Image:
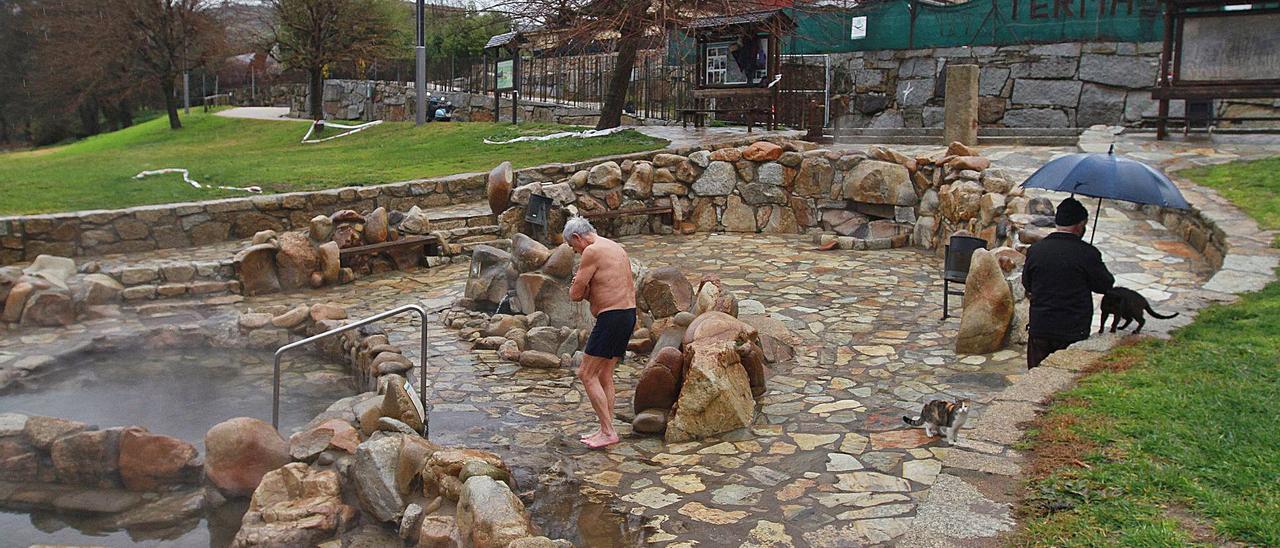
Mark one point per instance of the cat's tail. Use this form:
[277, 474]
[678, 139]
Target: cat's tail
[1155, 314]
[913, 422]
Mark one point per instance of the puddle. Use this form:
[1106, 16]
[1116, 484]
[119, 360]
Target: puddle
[215, 530]
[179, 392]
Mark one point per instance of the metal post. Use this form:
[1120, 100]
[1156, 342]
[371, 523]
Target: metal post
[420, 80]
[422, 367]
[186, 92]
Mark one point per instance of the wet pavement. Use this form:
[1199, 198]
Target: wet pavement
[828, 461]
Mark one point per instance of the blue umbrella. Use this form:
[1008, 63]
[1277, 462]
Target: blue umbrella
[1107, 176]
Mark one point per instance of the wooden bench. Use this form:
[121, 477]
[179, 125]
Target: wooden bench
[697, 115]
[662, 210]
[431, 245]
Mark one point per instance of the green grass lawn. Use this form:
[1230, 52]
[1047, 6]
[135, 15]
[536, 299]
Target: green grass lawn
[1180, 439]
[97, 173]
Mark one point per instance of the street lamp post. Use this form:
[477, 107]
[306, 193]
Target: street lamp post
[420, 81]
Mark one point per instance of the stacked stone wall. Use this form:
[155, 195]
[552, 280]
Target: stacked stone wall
[1034, 86]
[395, 101]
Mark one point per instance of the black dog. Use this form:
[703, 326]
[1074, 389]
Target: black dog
[1126, 304]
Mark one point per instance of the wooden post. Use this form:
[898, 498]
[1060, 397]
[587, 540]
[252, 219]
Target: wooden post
[1162, 80]
[515, 82]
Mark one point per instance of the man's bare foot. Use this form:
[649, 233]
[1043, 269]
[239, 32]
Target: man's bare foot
[601, 440]
[593, 434]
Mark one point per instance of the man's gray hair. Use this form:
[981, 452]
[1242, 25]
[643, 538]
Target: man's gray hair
[577, 225]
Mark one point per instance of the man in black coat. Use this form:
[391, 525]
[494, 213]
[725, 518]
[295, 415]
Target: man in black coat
[1061, 272]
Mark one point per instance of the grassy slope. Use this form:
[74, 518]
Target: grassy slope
[1182, 438]
[98, 172]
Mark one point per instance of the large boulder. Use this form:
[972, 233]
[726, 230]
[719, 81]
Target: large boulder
[529, 254]
[398, 403]
[715, 397]
[656, 389]
[256, 268]
[718, 179]
[50, 308]
[151, 461]
[537, 292]
[330, 262]
[490, 515]
[239, 451]
[374, 474]
[88, 459]
[877, 182]
[714, 296]
[640, 184]
[295, 506]
[492, 275]
[959, 201]
[762, 151]
[560, 263]
[416, 221]
[445, 466]
[988, 306]
[377, 226]
[666, 291]
[499, 187]
[296, 260]
[815, 177]
[716, 326]
[51, 268]
[607, 175]
[98, 288]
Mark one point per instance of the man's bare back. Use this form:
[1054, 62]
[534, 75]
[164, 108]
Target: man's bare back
[604, 277]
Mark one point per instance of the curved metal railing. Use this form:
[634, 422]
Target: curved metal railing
[422, 365]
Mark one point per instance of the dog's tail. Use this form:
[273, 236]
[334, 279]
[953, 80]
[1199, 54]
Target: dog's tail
[1155, 314]
[913, 422]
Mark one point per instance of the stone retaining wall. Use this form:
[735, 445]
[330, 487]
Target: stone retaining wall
[1037, 86]
[396, 101]
[190, 224]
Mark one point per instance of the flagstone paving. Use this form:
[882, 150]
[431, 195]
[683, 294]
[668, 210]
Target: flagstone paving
[828, 461]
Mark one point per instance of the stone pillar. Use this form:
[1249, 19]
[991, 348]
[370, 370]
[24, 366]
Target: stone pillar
[961, 121]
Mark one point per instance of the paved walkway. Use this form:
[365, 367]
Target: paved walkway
[260, 113]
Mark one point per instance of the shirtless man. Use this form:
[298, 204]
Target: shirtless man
[604, 279]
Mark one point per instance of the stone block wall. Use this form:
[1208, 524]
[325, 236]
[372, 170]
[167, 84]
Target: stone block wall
[1048, 85]
[166, 226]
[395, 101]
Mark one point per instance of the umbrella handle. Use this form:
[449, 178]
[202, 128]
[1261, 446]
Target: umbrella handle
[1096, 213]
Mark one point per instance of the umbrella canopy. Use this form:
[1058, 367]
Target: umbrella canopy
[1107, 176]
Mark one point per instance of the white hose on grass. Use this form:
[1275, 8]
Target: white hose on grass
[561, 135]
[186, 176]
[307, 140]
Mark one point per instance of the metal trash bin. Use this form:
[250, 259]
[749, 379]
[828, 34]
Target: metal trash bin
[536, 214]
[959, 252]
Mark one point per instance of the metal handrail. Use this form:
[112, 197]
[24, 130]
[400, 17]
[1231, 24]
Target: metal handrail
[422, 367]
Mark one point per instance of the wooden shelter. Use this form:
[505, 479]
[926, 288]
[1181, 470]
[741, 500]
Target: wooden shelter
[504, 50]
[739, 64]
[1215, 49]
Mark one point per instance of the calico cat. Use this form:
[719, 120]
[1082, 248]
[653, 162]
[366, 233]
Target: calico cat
[946, 416]
[1126, 304]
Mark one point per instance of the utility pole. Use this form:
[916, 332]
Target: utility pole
[420, 80]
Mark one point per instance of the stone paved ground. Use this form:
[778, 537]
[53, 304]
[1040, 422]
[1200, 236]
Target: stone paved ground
[827, 462]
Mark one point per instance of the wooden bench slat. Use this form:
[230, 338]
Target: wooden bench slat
[669, 210]
[402, 242]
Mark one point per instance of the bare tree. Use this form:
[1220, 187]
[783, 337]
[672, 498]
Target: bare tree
[167, 37]
[314, 34]
[627, 23]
